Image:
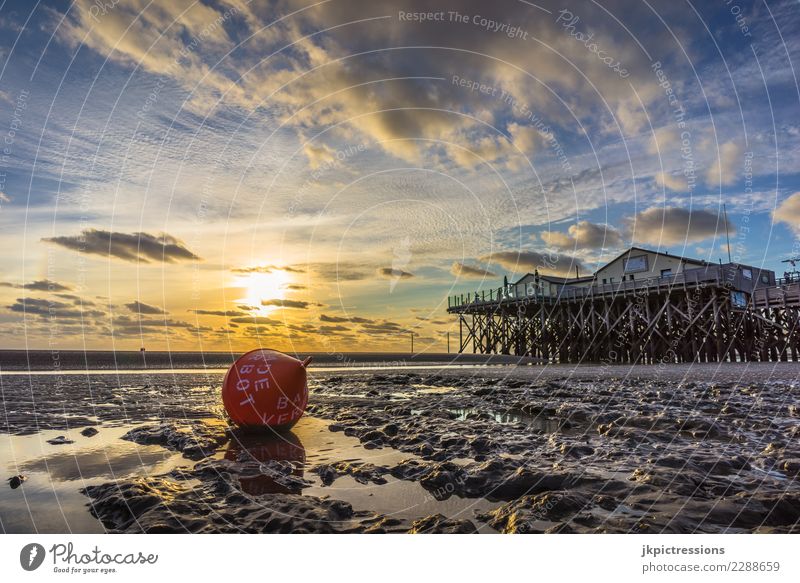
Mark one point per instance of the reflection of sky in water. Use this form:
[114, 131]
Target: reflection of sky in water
[50, 499]
[513, 416]
[396, 498]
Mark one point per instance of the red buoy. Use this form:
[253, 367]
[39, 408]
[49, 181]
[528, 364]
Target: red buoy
[266, 388]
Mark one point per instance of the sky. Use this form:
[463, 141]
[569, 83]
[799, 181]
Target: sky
[225, 174]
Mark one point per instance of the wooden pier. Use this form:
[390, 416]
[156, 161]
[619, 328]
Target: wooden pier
[709, 314]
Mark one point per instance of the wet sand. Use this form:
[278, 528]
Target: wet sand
[79, 360]
[524, 449]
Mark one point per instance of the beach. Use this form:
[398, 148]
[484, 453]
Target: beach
[431, 448]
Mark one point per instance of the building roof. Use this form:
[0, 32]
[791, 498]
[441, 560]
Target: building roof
[628, 251]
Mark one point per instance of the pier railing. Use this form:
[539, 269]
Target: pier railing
[785, 294]
[720, 276]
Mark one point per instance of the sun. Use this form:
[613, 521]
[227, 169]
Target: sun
[264, 286]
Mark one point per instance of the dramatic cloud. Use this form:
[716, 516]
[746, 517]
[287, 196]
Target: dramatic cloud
[433, 321]
[257, 320]
[673, 226]
[334, 329]
[340, 319]
[296, 304]
[76, 299]
[382, 327]
[150, 37]
[340, 128]
[138, 326]
[222, 313]
[409, 116]
[788, 212]
[135, 247]
[390, 273]
[138, 307]
[341, 271]
[584, 235]
[470, 272]
[52, 309]
[38, 285]
[267, 269]
[528, 261]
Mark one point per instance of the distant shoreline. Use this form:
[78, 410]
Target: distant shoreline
[67, 360]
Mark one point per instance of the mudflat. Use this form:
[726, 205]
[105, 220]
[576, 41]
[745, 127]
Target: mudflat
[513, 449]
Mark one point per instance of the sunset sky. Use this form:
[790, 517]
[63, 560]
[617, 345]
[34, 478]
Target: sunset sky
[220, 175]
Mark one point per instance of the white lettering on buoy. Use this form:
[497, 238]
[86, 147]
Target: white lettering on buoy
[261, 384]
[243, 385]
[282, 403]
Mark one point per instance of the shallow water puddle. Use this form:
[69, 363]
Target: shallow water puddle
[513, 417]
[310, 443]
[49, 499]
[433, 390]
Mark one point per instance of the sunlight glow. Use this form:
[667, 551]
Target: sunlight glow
[264, 286]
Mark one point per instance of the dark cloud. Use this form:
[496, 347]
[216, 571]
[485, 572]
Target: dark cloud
[432, 321]
[391, 273]
[333, 329]
[385, 327]
[223, 313]
[253, 331]
[302, 328]
[125, 325]
[296, 304]
[468, 271]
[52, 309]
[529, 261]
[584, 235]
[125, 320]
[134, 247]
[341, 271]
[339, 319]
[76, 299]
[223, 332]
[257, 320]
[268, 269]
[294, 287]
[675, 226]
[46, 285]
[138, 307]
